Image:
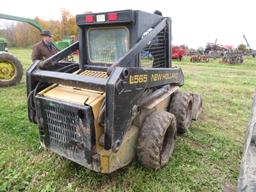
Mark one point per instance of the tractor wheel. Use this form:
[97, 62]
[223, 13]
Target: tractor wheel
[197, 106]
[10, 69]
[205, 59]
[192, 59]
[181, 106]
[232, 61]
[156, 140]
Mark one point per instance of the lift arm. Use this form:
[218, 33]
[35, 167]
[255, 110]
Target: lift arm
[22, 19]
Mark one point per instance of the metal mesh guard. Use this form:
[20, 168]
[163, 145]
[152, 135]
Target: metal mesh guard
[65, 128]
[61, 125]
[154, 55]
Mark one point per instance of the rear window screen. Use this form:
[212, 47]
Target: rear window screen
[107, 45]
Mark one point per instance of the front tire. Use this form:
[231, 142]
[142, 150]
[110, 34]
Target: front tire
[156, 140]
[197, 106]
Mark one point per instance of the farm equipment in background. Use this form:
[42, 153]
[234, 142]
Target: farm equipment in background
[32, 22]
[214, 50]
[114, 104]
[65, 42]
[191, 51]
[251, 51]
[3, 44]
[227, 53]
[10, 67]
[199, 58]
[233, 56]
[178, 52]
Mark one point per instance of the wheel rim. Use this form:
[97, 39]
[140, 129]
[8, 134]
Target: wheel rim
[7, 71]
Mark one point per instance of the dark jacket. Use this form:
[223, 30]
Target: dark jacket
[42, 51]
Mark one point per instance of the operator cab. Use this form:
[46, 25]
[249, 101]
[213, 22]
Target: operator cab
[109, 36]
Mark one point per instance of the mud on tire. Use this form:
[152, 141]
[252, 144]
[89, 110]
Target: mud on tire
[156, 140]
[16, 75]
[197, 106]
[181, 106]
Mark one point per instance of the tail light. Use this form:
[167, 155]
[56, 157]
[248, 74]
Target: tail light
[89, 18]
[112, 17]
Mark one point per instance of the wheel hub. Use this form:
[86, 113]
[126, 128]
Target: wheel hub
[7, 71]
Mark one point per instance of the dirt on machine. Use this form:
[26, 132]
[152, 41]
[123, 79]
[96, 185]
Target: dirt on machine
[114, 105]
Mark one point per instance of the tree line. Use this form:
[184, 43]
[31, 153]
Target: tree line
[25, 35]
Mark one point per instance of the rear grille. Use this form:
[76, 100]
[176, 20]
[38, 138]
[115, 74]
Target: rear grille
[61, 127]
[66, 128]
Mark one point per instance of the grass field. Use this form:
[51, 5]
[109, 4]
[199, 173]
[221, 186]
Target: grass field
[207, 158]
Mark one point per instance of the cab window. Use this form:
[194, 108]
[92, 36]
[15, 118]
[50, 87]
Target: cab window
[107, 45]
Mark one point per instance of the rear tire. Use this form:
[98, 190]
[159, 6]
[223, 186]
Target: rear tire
[11, 69]
[181, 106]
[156, 140]
[197, 106]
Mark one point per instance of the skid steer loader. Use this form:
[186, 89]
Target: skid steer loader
[114, 105]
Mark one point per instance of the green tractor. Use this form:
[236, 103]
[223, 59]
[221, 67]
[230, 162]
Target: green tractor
[64, 43]
[10, 67]
[3, 44]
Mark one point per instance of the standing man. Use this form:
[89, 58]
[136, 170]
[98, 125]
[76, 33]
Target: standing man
[44, 49]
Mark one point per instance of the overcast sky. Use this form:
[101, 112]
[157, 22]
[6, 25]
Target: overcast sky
[194, 22]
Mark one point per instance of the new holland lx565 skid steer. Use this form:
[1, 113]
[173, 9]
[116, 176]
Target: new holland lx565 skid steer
[116, 104]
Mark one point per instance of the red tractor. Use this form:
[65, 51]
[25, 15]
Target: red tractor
[178, 52]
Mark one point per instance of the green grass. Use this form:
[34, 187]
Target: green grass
[207, 158]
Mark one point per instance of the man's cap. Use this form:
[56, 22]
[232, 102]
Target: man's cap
[46, 33]
[158, 12]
